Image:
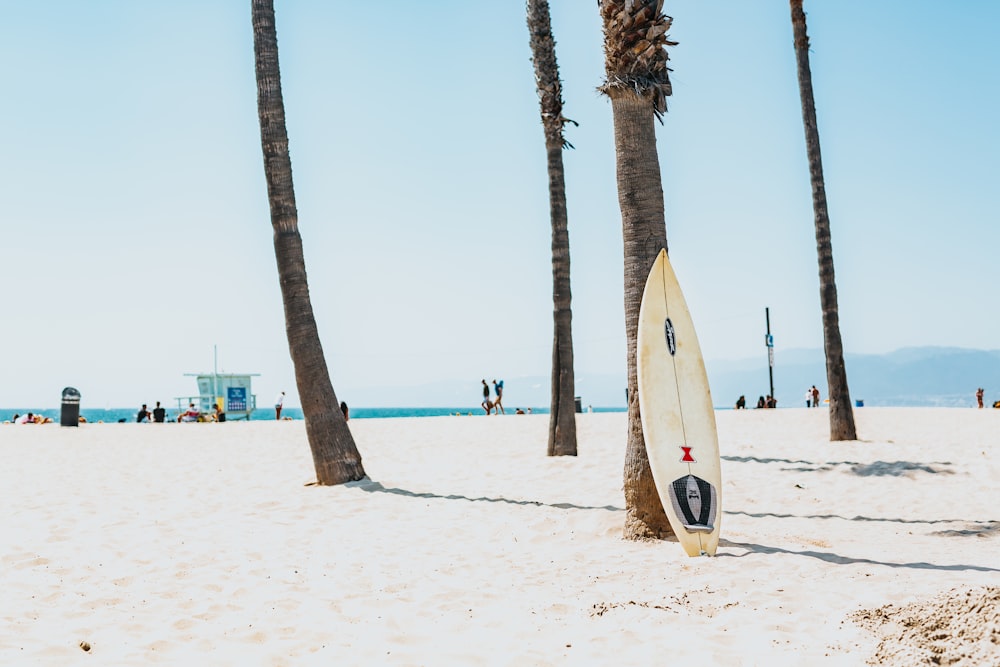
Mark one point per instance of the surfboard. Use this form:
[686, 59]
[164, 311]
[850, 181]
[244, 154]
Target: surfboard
[678, 420]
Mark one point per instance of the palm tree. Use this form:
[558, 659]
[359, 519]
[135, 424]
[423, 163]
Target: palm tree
[638, 83]
[335, 455]
[841, 412]
[562, 415]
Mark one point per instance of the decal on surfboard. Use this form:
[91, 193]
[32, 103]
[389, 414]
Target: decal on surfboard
[687, 458]
[668, 330]
[694, 501]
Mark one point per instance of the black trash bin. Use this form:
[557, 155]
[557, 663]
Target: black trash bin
[70, 415]
[579, 403]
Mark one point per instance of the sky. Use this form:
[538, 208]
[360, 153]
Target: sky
[137, 238]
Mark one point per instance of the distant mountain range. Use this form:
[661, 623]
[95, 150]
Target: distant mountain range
[924, 376]
[918, 376]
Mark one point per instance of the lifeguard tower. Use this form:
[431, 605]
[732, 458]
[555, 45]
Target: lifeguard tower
[231, 391]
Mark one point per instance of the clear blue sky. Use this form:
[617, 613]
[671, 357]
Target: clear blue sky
[137, 234]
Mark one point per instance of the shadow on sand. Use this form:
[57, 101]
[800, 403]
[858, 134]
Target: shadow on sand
[375, 487]
[980, 526]
[876, 469]
[837, 559]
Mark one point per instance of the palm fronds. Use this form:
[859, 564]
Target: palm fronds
[635, 50]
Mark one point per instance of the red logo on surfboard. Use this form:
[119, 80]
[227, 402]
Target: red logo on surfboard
[687, 458]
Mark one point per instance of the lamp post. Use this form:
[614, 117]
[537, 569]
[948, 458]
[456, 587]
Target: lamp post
[769, 341]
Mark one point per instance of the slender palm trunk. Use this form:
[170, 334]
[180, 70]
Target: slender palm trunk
[562, 413]
[637, 82]
[841, 413]
[335, 455]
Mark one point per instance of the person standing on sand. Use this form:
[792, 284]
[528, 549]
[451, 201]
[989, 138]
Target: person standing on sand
[279, 401]
[815, 392]
[979, 396]
[498, 389]
[487, 403]
[809, 398]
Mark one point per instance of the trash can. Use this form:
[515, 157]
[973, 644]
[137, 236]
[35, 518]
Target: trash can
[859, 403]
[579, 403]
[70, 415]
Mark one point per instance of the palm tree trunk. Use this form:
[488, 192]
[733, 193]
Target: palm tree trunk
[640, 197]
[335, 455]
[562, 413]
[638, 83]
[841, 413]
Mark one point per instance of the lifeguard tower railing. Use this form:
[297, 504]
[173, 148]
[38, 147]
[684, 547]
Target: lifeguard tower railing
[230, 391]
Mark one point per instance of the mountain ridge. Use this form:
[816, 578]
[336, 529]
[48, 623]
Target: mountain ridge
[911, 376]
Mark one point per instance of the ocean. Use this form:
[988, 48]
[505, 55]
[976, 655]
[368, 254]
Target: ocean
[125, 415]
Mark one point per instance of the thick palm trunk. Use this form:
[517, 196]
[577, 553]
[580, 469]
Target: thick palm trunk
[562, 413]
[640, 197]
[841, 413]
[335, 455]
[638, 83]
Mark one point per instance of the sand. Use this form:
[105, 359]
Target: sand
[128, 544]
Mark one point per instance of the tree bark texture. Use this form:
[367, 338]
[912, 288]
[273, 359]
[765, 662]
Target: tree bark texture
[637, 80]
[640, 197]
[335, 455]
[562, 412]
[841, 412]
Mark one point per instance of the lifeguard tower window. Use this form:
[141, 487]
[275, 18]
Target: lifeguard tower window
[230, 391]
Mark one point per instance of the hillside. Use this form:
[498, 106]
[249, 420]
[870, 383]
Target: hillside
[925, 376]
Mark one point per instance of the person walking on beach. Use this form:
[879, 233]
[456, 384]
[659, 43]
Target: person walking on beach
[279, 401]
[809, 398]
[498, 390]
[487, 403]
[159, 414]
[143, 415]
[815, 393]
[979, 396]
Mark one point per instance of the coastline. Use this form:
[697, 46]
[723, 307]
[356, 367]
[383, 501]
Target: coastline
[127, 415]
[467, 545]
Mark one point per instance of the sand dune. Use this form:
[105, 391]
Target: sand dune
[468, 546]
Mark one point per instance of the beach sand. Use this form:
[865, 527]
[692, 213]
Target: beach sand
[126, 544]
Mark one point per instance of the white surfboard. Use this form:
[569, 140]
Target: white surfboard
[678, 420]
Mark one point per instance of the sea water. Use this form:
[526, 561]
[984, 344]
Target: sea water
[126, 415]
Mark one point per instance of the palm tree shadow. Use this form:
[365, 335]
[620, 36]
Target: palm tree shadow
[987, 527]
[972, 528]
[837, 559]
[875, 469]
[370, 486]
